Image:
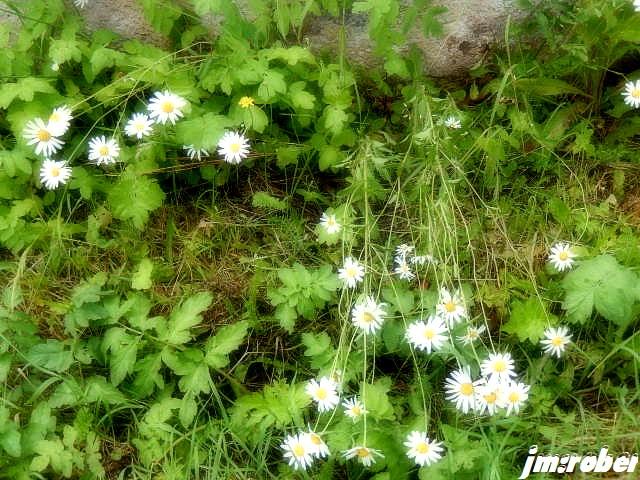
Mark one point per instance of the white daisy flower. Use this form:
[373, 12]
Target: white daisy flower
[403, 250]
[39, 134]
[403, 271]
[318, 447]
[324, 393]
[452, 122]
[363, 454]
[351, 272]
[424, 259]
[632, 94]
[80, 3]
[298, 451]
[55, 66]
[498, 367]
[234, 147]
[429, 335]
[139, 125]
[195, 152]
[53, 174]
[354, 408]
[472, 334]
[166, 107]
[636, 4]
[103, 151]
[368, 315]
[59, 121]
[330, 224]
[461, 389]
[556, 340]
[490, 396]
[561, 256]
[422, 450]
[515, 395]
[451, 307]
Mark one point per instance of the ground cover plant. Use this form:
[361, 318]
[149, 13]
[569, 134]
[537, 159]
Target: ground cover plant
[231, 257]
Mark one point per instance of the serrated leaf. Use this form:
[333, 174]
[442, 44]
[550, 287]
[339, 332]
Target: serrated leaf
[188, 409]
[272, 84]
[23, 89]
[226, 340]
[335, 119]
[184, 317]
[264, 200]
[204, 131]
[51, 355]
[374, 396]
[528, 320]
[134, 197]
[141, 279]
[301, 98]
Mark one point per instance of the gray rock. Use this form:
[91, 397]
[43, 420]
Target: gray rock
[471, 29]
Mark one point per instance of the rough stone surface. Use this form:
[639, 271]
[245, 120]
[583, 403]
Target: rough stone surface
[471, 28]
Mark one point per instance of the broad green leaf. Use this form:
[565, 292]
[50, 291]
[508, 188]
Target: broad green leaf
[197, 380]
[547, 86]
[335, 119]
[98, 390]
[204, 131]
[51, 355]
[23, 89]
[162, 14]
[133, 197]
[528, 320]
[10, 440]
[272, 84]
[319, 348]
[600, 283]
[188, 409]
[301, 98]
[184, 317]
[202, 7]
[141, 279]
[225, 341]
[124, 350]
[374, 396]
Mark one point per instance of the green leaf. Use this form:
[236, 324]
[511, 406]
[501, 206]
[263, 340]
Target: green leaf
[98, 390]
[161, 14]
[188, 409]
[62, 50]
[528, 320]
[547, 86]
[197, 380]
[319, 348]
[286, 317]
[104, 57]
[600, 283]
[204, 131]
[272, 84]
[330, 156]
[374, 396]
[134, 197]
[301, 98]
[202, 7]
[23, 89]
[264, 200]
[228, 339]
[141, 279]
[184, 317]
[51, 355]
[124, 350]
[335, 119]
[10, 440]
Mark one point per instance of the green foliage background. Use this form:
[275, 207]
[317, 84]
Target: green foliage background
[159, 320]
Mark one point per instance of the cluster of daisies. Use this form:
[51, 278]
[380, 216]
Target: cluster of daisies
[497, 389]
[163, 108]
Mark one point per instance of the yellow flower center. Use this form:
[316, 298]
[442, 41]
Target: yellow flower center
[234, 147]
[422, 448]
[563, 256]
[43, 135]
[331, 221]
[103, 151]
[514, 397]
[55, 172]
[321, 393]
[356, 410]
[298, 450]
[635, 93]
[351, 272]
[557, 341]
[473, 334]
[367, 317]
[140, 125]
[500, 366]
[167, 106]
[315, 439]
[246, 102]
[491, 397]
[450, 306]
[466, 389]
[362, 452]
[429, 333]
